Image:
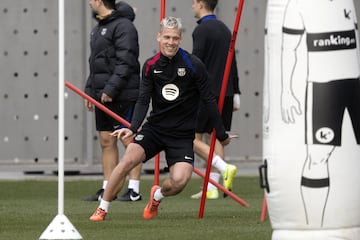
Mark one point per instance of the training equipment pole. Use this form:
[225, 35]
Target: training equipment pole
[162, 9]
[61, 227]
[61, 117]
[157, 157]
[221, 103]
[230, 194]
[117, 118]
[97, 104]
[263, 210]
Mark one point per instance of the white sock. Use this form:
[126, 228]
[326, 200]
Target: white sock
[104, 205]
[216, 177]
[134, 185]
[219, 163]
[158, 195]
[105, 182]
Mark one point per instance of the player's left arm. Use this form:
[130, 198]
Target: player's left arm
[209, 100]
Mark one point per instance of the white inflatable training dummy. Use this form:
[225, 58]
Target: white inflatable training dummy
[311, 120]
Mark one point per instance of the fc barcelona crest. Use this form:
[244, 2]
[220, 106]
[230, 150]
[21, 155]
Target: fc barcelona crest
[181, 72]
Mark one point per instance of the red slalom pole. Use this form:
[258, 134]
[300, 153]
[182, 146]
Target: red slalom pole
[97, 104]
[157, 157]
[221, 103]
[230, 194]
[263, 210]
[116, 117]
[162, 9]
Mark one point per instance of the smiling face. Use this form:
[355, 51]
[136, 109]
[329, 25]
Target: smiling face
[169, 37]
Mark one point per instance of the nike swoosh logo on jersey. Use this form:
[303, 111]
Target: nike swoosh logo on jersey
[157, 71]
[189, 158]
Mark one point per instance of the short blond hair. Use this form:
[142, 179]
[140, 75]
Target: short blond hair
[171, 23]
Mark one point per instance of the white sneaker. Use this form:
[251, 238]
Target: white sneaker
[197, 195]
[212, 194]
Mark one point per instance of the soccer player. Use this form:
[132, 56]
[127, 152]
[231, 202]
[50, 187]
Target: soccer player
[174, 81]
[211, 42]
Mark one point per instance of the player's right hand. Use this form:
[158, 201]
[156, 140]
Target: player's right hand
[122, 133]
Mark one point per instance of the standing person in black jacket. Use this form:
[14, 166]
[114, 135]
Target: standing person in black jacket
[174, 81]
[114, 81]
[211, 42]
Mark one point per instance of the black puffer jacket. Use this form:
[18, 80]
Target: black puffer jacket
[114, 64]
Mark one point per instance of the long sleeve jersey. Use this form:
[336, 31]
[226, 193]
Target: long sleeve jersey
[175, 87]
[211, 42]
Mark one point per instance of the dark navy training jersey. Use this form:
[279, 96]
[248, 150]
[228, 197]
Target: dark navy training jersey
[175, 87]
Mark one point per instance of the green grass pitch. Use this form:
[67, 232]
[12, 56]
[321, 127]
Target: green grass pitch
[29, 206]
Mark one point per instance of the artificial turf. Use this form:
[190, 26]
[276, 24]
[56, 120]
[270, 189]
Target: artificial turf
[29, 206]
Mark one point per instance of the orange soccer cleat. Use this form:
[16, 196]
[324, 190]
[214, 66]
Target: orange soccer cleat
[151, 209]
[98, 215]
